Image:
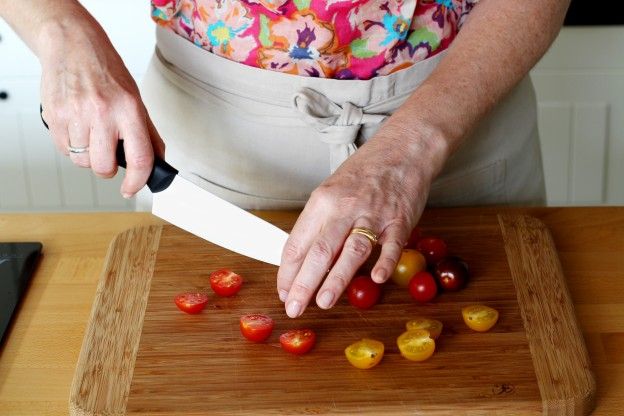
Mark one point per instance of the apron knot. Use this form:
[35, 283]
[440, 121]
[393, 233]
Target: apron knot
[338, 125]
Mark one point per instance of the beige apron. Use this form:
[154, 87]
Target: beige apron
[266, 140]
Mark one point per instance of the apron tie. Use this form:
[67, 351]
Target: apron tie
[338, 125]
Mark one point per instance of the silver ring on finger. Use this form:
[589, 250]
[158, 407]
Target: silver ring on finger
[77, 150]
[366, 232]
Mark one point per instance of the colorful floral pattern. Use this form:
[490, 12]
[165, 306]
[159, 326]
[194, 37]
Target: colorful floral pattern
[344, 39]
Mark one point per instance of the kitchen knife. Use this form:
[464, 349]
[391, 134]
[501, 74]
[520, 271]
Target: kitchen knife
[186, 205]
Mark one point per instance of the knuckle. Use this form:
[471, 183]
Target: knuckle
[321, 250]
[358, 246]
[104, 171]
[340, 278]
[101, 105]
[131, 103]
[80, 161]
[322, 197]
[141, 162]
[301, 287]
[293, 252]
[393, 248]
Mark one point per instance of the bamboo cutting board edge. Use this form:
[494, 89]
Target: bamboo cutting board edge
[555, 339]
[566, 384]
[105, 365]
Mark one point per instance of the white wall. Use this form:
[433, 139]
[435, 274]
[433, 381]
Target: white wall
[579, 84]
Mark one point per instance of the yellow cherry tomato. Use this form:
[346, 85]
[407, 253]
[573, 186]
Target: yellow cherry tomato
[365, 353]
[433, 326]
[480, 318]
[410, 263]
[416, 345]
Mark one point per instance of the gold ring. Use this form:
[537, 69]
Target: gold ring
[368, 233]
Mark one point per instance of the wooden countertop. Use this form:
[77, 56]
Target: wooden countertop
[38, 359]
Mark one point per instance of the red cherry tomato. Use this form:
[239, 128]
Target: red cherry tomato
[225, 282]
[413, 238]
[298, 341]
[256, 327]
[363, 292]
[423, 287]
[191, 302]
[434, 249]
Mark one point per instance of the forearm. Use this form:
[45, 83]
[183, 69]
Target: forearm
[499, 43]
[42, 22]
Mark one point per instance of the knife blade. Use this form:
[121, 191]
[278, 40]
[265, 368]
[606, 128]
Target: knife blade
[194, 209]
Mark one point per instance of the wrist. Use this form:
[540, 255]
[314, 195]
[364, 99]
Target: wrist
[417, 142]
[70, 26]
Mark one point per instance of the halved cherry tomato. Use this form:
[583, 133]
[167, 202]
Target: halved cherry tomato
[433, 326]
[225, 282]
[191, 302]
[256, 327]
[298, 341]
[365, 353]
[410, 263]
[480, 318]
[434, 249]
[416, 345]
[363, 292]
[423, 287]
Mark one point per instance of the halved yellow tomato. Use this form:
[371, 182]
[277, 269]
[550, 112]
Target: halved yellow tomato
[416, 345]
[480, 318]
[365, 353]
[410, 263]
[432, 325]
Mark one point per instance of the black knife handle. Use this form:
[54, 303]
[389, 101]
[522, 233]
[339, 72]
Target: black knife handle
[162, 173]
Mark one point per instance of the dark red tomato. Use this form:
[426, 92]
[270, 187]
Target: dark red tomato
[225, 282]
[434, 249]
[423, 287]
[363, 293]
[413, 238]
[451, 273]
[298, 341]
[256, 327]
[191, 302]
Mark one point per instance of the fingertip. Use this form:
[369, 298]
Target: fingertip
[294, 309]
[379, 275]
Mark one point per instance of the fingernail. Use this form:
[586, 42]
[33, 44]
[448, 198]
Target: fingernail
[283, 295]
[380, 276]
[325, 299]
[126, 195]
[293, 309]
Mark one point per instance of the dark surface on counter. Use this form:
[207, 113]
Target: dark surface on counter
[588, 13]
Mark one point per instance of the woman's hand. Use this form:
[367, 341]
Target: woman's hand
[90, 100]
[382, 187]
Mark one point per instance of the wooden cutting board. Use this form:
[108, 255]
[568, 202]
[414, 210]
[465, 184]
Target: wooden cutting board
[141, 355]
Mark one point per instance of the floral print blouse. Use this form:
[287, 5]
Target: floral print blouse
[343, 39]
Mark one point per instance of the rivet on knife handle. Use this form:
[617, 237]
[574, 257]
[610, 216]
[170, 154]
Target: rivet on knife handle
[162, 174]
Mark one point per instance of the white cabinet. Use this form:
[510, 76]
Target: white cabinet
[580, 90]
